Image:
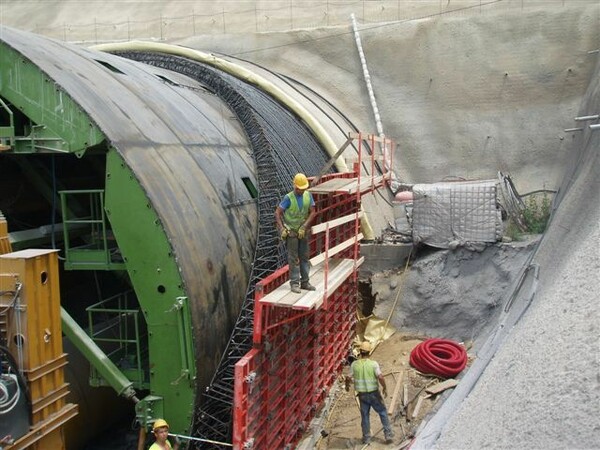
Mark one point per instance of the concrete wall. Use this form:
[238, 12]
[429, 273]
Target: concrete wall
[462, 96]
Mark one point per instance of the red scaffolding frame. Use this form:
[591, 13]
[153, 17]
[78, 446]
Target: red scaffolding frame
[301, 340]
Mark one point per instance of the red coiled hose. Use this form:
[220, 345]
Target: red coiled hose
[439, 357]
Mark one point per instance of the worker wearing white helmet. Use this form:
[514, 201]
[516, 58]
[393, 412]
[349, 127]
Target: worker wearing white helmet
[161, 433]
[294, 215]
[365, 374]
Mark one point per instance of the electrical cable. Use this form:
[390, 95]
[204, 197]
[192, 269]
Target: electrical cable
[440, 357]
[21, 381]
[8, 403]
[15, 294]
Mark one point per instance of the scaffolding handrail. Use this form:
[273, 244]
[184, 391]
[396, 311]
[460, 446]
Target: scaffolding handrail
[330, 305]
[276, 354]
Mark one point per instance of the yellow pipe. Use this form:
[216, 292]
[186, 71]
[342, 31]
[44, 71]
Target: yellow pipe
[250, 77]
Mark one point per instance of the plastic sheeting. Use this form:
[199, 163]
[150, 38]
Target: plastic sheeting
[373, 329]
[446, 215]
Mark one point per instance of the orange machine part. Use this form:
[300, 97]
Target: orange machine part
[5, 246]
[34, 338]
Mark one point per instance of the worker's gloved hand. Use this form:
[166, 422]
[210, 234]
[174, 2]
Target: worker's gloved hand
[347, 382]
[301, 232]
[384, 392]
[285, 231]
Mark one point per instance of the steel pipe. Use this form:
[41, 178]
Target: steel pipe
[581, 118]
[109, 371]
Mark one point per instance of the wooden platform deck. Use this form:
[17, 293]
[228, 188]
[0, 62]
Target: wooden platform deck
[349, 185]
[339, 271]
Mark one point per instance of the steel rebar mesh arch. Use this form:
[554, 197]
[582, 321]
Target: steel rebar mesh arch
[275, 135]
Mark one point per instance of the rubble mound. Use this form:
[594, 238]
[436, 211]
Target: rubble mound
[450, 294]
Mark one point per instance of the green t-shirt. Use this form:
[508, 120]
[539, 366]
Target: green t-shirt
[365, 372]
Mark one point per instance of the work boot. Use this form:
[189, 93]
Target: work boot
[366, 440]
[296, 289]
[389, 439]
[307, 286]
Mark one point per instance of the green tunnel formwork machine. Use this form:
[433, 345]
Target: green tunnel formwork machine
[156, 181]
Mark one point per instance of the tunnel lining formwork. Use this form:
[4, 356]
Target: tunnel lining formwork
[276, 162]
[151, 121]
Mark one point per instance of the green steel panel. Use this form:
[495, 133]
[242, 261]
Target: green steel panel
[46, 104]
[7, 132]
[158, 285]
[87, 259]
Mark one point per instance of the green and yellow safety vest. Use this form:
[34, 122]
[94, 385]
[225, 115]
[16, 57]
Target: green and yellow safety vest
[363, 372]
[294, 217]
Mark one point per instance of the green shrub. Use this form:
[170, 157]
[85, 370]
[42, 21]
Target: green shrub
[532, 219]
[536, 214]
[513, 230]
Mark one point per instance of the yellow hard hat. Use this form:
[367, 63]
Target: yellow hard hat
[300, 181]
[159, 423]
[365, 347]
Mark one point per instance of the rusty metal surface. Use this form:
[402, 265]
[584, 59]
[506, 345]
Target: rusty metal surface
[189, 154]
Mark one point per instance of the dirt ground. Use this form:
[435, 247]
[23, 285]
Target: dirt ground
[342, 426]
[453, 307]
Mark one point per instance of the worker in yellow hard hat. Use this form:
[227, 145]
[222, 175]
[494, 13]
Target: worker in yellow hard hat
[294, 215]
[160, 428]
[366, 375]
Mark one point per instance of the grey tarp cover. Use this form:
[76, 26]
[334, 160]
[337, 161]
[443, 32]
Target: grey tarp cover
[454, 213]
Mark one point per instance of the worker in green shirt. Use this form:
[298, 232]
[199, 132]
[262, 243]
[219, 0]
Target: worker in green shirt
[293, 216]
[366, 375]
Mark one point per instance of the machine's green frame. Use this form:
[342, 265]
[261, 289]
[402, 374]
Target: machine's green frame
[60, 126]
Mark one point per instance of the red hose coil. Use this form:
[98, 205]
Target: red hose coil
[439, 357]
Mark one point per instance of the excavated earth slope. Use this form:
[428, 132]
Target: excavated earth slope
[465, 95]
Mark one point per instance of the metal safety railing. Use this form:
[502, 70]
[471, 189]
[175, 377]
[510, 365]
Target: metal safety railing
[97, 249]
[299, 348]
[117, 328]
[7, 132]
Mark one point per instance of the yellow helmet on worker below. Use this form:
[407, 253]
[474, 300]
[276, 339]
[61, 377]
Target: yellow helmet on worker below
[300, 181]
[365, 347]
[159, 423]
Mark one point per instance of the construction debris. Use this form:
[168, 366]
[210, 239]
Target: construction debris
[399, 382]
[440, 387]
[414, 396]
[417, 409]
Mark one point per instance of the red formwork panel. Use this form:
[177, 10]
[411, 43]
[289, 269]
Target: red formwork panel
[281, 383]
[297, 355]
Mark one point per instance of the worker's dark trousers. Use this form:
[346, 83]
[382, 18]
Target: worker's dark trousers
[298, 260]
[374, 400]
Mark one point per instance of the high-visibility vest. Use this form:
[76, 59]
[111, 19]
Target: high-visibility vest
[294, 217]
[363, 372]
